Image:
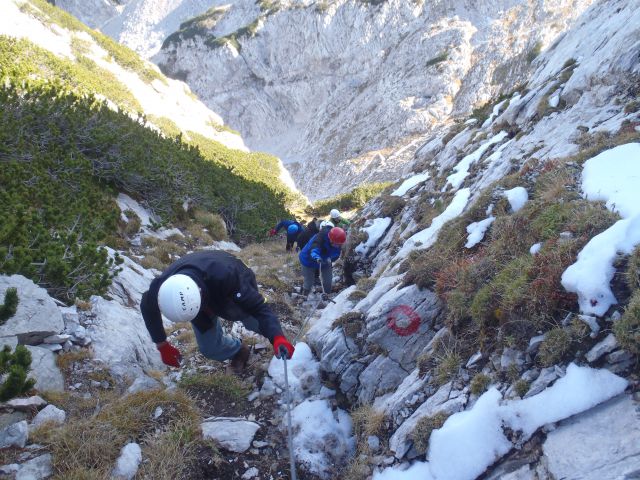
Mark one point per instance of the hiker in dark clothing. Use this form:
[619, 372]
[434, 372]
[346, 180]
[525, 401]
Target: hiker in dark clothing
[203, 287]
[310, 230]
[293, 229]
[323, 248]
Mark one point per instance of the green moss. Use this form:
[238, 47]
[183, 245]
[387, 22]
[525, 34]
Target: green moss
[443, 57]
[627, 329]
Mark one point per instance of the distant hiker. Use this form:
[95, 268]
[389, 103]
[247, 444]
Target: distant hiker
[293, 229]
[203, 287]
[323, 248]
[338, 220]
[310, 230]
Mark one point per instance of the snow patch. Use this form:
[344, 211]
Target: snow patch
[517, 197]
[374, 231]
[409, 183]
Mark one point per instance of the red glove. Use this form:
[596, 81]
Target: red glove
[272, 232]
[170, 355]
[280, 342]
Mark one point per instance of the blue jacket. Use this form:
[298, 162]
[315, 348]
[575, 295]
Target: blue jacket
[318, 248]
[286, 224]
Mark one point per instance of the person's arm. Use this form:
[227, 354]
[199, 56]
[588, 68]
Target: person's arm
[151, 315]
[153, 321]
[245, 294]
[282, 224]
[316, 248]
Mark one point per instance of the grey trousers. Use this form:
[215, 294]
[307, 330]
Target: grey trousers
[309, 276]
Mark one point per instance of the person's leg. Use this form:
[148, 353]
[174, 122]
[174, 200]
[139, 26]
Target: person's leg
[289, 245]
[308, 275]
[214, 344]
[326, 271]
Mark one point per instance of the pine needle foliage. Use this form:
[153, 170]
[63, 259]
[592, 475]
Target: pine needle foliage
[14, 367]
[64, 154]
[10, 306]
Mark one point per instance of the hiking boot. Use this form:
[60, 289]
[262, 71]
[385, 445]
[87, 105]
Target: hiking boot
[239, 360]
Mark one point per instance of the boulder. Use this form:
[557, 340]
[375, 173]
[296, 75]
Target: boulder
[45, 371]
[234, 434]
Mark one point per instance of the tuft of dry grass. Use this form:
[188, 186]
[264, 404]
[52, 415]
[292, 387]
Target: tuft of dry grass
[367, 421]
[480, 383]
[225, 386]
[627, 329]
[553, 348]
[66, 360]
[422, 431]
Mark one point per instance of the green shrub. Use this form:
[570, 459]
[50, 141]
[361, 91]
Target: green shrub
[348, 201]
[553, 348]
[14, 367]
[480, 383]
[10, 306]
[122, 55]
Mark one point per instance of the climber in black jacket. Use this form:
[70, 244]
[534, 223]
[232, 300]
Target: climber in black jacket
[309, 231]
[200, 287]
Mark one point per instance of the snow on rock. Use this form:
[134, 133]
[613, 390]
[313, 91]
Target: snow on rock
[234, 434]
[409, 183]
[461, 170]
[303, 373]
[427, 237]
[613, 177]
[125, 202]
[323, 439]
[475, 437]
[476, 231]
[374, 229]
[517, 197]
[128, 462]
[535, 248]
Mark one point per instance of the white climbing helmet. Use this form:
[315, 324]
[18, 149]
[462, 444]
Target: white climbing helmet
[179, 298]
[334, 214]
[326, 223]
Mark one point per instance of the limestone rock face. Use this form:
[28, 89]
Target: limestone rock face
[37, 315]
[605, 443]
[348, 93]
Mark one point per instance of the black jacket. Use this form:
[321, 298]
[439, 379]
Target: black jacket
[229, 290]
[310, 230]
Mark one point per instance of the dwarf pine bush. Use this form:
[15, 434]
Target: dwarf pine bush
[14, 367]
[65, 155]
[10, 306]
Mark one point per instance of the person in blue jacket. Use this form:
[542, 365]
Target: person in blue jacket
[318, 254]
[293, 229]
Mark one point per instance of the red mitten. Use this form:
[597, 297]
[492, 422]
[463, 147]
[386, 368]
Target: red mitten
[280, 343]
[272, 232]
[170, 355]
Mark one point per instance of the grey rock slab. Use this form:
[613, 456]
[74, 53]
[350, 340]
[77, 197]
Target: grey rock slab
[601, 348]
[402, 322]
[234, 434]
[37, 315]
[144, 383]
[379, 377]
[600, 444]
[15, 435]
[36, 469]
[26, 404]
[133, 348]
[7, 419]
[547, 375]
[45, 371]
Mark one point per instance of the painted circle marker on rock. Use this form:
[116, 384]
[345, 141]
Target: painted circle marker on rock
[403, 320]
